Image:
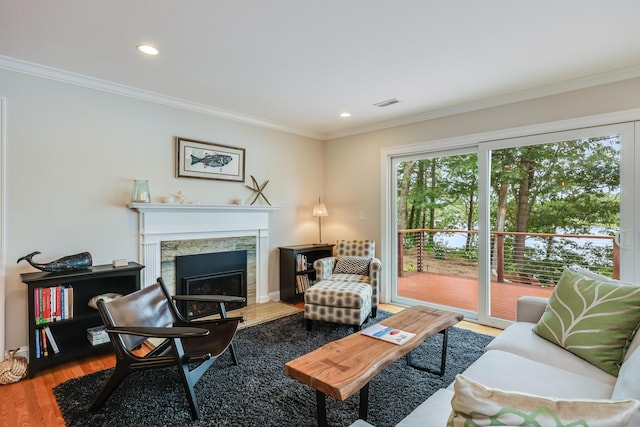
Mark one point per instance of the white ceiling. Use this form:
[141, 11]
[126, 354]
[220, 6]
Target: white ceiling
[296, 65]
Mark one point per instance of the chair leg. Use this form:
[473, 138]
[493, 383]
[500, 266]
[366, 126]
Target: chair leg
[190, 392]
[234, 358]
[188, 377]
[308, 322]
[109, 387]
[232, 348]
[374, 312]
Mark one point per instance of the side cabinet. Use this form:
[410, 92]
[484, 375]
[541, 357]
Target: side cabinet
[60, 315]
[296, 269]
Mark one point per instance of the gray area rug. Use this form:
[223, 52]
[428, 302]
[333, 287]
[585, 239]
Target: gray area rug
[258, 393]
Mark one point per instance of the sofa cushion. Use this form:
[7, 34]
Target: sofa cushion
[341, 277]
[475, 404]
[628, 384]
[520, 339]
[591, 318]
[433, 412]
[635, 344]
[352, 265]
[508, 371]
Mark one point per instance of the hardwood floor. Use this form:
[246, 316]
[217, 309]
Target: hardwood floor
[30, 402]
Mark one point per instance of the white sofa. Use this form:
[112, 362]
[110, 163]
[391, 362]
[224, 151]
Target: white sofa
[519, 360]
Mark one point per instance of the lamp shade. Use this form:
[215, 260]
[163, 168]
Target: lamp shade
[320, 210]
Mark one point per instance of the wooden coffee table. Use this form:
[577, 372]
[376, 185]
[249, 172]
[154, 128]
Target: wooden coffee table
[342, 367]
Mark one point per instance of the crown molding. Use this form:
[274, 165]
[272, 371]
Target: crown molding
[524, 95]
[30, 68]
[20, 66]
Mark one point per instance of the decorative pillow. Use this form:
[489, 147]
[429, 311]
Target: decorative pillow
[476, 405]
[352, 265]
[592, 319]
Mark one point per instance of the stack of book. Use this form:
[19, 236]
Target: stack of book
[46, 344]
[53, 303]
[97, 335]
[301, 263]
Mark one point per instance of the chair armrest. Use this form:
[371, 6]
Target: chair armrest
[374, 280]
[211, 321]
[159, 332]
[374, 267]
[324, 267]
[209, 298]
[530, 309]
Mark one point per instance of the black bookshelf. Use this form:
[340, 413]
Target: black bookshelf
[294, 277]
[69, 330]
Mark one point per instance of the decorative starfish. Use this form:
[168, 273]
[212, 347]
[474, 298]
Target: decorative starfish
[258, 190]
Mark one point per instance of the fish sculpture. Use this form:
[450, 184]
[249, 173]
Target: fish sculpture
[80, 261]
[212, 160]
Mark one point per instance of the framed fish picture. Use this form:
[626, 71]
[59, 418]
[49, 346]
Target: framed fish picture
[197, 159]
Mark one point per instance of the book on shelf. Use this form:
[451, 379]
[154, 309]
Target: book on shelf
[52, 340]
[301, 262]
[43, 343]
[37, 342]
[387, 333]
[303, 282]
[53, 304]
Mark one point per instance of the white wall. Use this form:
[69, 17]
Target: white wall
[353, 164]
[71, 157]
[72, 154]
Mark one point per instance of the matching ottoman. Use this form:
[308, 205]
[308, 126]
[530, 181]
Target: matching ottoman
[338, 302]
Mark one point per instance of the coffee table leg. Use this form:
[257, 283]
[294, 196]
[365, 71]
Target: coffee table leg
[364, 402]
[321, 403]
[443, 360]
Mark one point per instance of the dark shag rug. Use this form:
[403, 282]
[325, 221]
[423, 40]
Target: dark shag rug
[258, 393]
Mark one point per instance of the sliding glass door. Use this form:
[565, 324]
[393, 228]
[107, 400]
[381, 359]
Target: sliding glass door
[475, 228]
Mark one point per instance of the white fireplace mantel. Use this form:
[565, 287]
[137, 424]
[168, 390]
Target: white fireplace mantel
[158, 222]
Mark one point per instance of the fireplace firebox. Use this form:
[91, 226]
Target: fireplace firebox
[217, 273]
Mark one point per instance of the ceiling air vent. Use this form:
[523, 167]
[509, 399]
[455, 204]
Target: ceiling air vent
[386, 103]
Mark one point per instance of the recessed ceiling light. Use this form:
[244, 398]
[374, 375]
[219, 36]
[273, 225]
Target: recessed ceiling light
[148, 49]
[345, 114]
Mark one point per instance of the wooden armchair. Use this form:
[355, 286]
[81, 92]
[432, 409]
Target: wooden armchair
[190, 345]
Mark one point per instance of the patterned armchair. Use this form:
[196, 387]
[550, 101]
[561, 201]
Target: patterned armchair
[347, 285]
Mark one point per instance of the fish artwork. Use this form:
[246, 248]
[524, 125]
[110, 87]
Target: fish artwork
[212, 160]
[81, 261]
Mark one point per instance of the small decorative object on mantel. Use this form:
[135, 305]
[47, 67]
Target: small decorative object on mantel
[81, 261]
[140, 193]
[258, 189]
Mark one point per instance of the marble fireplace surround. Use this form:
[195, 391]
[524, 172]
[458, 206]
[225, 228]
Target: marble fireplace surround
[221, 226]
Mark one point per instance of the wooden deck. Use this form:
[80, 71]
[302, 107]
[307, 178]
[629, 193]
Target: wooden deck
[462, 292]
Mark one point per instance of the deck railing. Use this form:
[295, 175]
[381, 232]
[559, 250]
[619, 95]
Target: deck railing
[534, 258]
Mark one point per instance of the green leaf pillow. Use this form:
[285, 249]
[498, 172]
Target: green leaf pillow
[592, 319]
[473, 404]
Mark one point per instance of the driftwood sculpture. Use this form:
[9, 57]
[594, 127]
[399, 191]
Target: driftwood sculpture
[80, 261]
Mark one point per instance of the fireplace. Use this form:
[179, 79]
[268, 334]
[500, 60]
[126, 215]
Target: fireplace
[218, 273]
[175, 225]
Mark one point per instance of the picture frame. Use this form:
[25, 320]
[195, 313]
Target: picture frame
[206, 160]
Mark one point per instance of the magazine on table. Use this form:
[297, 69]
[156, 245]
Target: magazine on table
[387, 333]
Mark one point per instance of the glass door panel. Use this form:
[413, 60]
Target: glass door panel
[437, 237]
[554, 201]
